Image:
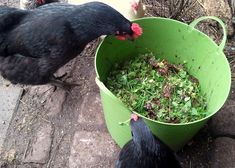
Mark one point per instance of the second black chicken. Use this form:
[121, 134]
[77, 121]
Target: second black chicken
[34, 44]
[145, 150]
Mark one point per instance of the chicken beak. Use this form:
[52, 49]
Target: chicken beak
[122, 38]
[130, 38]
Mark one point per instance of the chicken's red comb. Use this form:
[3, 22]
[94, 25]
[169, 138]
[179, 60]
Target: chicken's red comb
[134, 117]
[136, 29]
[40, 2]
[134, 5]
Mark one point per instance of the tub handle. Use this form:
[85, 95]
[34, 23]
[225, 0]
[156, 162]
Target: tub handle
[224, 39]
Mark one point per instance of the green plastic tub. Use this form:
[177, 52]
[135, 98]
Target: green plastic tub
[177, 42]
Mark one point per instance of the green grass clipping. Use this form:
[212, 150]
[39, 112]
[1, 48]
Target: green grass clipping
[158, 90]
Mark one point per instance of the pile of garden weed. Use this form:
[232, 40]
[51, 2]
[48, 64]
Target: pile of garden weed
[158, 90]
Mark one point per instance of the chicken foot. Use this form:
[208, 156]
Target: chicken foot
[56, 82]
[60, 77]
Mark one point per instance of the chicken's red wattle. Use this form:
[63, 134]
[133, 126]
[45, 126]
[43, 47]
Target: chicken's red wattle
[134, 5]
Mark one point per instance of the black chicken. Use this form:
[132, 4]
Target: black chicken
[34, 44]
[145, 150]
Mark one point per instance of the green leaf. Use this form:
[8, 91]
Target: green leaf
[136, 82]
[194, 111]
[186, 99]
[175, 103]
[182, 73]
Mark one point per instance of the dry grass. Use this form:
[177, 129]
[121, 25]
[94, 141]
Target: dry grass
[186, 11]
[183, 10]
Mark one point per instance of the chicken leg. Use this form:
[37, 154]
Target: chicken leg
[60, 77]
[57, 82]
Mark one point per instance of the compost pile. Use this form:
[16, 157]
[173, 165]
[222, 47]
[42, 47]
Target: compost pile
[158, 90]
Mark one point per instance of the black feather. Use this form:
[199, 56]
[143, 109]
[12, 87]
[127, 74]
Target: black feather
[38, 42]
[145, 150]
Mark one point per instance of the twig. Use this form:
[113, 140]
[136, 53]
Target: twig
[202, 6]
[148, 14]
[28, 106]
[37, 113]
[231, 106]
[190, 7]
[56, 148]
[233, 76]
[232, 61]
[148, 6]
[48, 89]
[25, 104]
[178, 7]
[45, 119]
[28, 122]
[215, 32]
[26, 149]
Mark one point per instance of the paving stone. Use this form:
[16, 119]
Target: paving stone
[223, 153]
[92, 149]
[9, 101]
[223, 122]
[91, 109]
[55, 102]
[41, 145]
